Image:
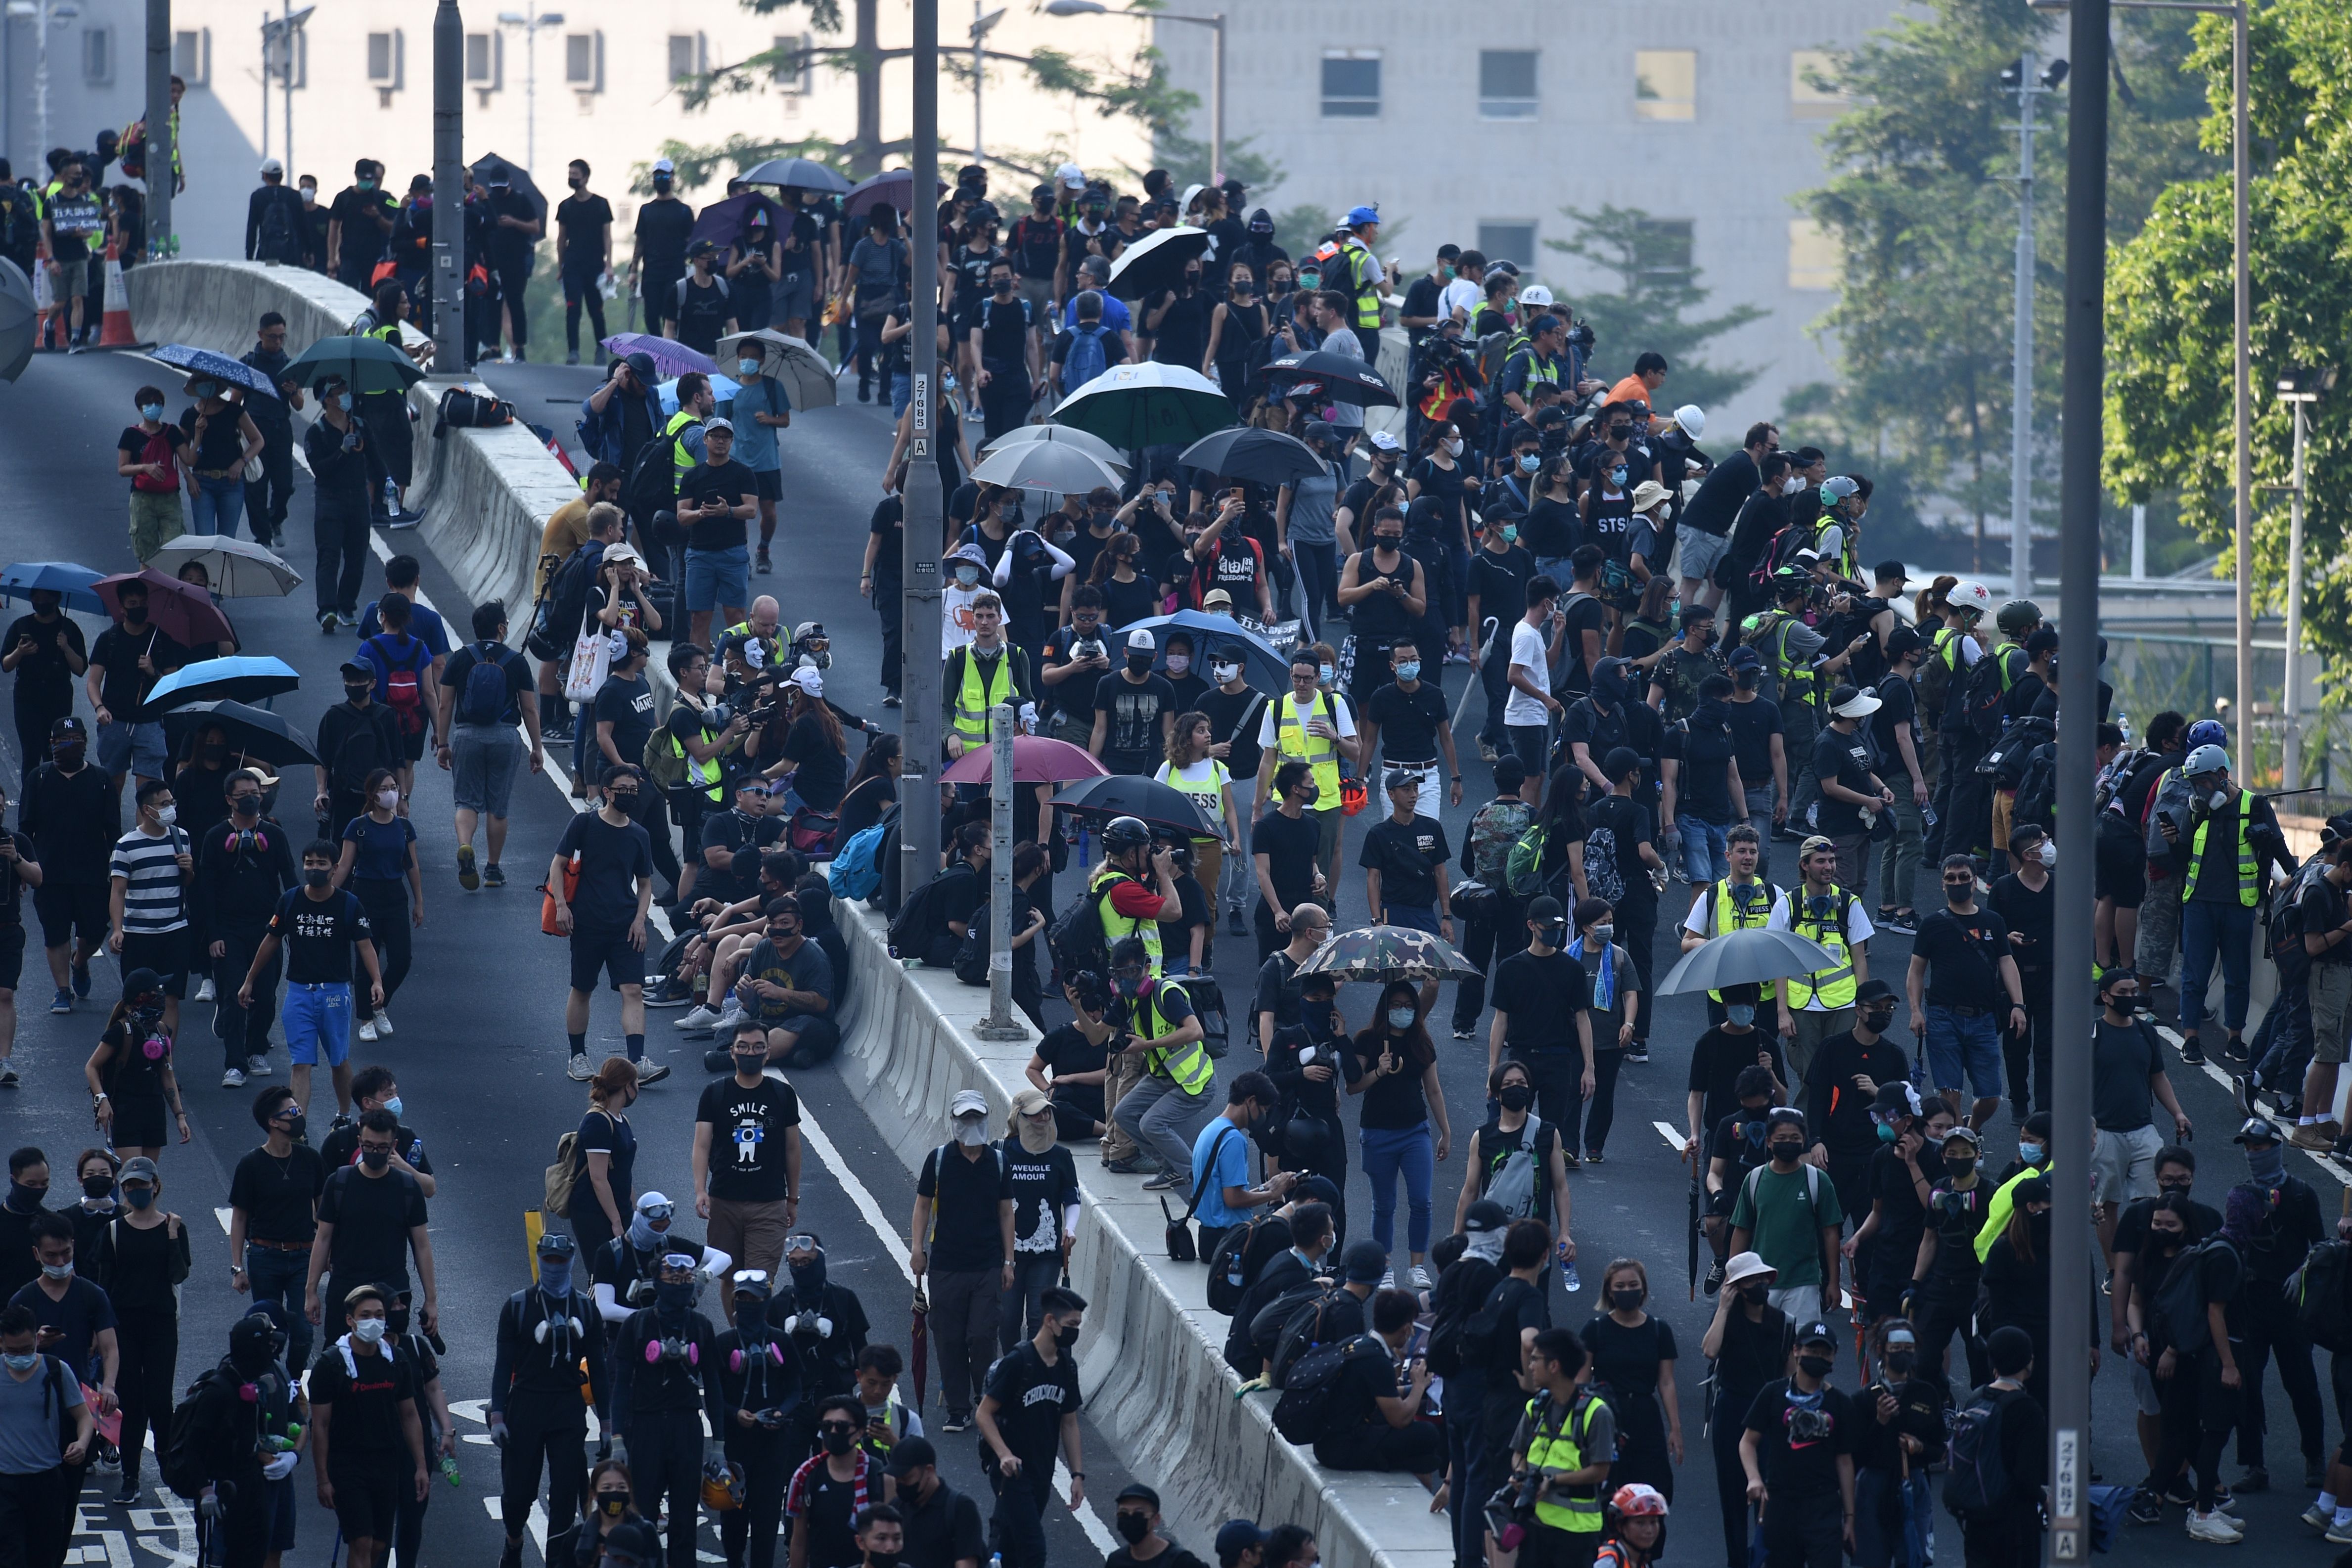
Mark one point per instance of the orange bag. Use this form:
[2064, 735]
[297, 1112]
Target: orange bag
[546, 902]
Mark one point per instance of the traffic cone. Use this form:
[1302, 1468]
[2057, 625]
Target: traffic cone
[114, 331]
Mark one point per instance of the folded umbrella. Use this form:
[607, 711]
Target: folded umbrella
[218, 366]
[69, 581]
[1132, 795]
[1055, 468]
[255, 734]
[1335, 376]
[1157, 261]
[1754, 956]
[236, 568]
[365, 364]
[1064, 435]
[1383, 953]
[807, 376]
[1036, 759]
[670, 357]
[1150, 404]
[246, 678]
[797, 174]
[180, 611]
[1244, 452]
[19, 316]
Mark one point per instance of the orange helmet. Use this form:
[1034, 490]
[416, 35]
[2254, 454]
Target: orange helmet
[722, 1485]
[1635, 1500]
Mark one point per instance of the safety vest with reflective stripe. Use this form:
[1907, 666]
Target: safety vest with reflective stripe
[1115, 925]
[2250, 872]
[1798, 683]
[1187, 1066]
[1833, 986]
[1849, 562]
[1729, 915]
[681, 461]
[1561, 1448]
[702, 777]
[1366, 293]
[981, 691]
[1292, 744]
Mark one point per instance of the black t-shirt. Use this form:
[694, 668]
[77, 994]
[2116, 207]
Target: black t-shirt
[1003, 331]
[1703, 778]
[277, 1195]
[1753, 725]
[1585, 615]
[1616, 827]
[821, 769]
[1032, 1398]
[728, 484]
[611, 861]
[1289, 845]
[1234, 717]
[747, 1137]
[2131, 1225]
[1131, 742]
[2034, 916]
[366, 1424]
[745, 838]
[1902, 1217]
[1752, 1354]
[44, 679]
[1898, 714]
[1499, 583]
[360, 214]
[1042, 1187]
[888, 524]
[1542, 995]
[1397, 1103]
[1511, 1307]
[1601, 732]
[1963, 954]
[1407, 721]
[964, 1234]
[1716, 1062]
[74, 819]
[373, 1217]
[1182, 335]
[663, 225]
[1627, 1358]
[1497, 1146]
[124, 685]
[1063, 1051]
[1799, 1441]
[1846, 759]
[580, 228]
[1407, 855]
[1176, 936]
[1737, 1140]
[627, 702]
[1845, 1127]
[319, 934]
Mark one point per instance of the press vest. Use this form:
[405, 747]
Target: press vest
[1115, 925]
[681, 461]
[1187, 1066]
[1294, 745]
[2250, 877]
[981, 690]
[1576, 1508]
[702, 777]
[1365, 292]
[1798, 684]
[1833, 986]
[1728, 915]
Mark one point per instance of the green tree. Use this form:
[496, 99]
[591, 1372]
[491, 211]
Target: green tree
[1658, 293]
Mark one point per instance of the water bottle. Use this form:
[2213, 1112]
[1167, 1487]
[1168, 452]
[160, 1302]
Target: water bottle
[1568, 1278]
[1927, 815]
[450, 1470]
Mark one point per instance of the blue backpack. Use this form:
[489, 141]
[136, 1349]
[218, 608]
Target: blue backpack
[856, 869]
[484, 696]
[1086, 358]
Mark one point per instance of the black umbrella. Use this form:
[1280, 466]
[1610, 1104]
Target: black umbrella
[1244, 452]
[490, 166]
[1132, 795]
[255, 734]
[1339, 378]
[1157, 261]
[797, 174]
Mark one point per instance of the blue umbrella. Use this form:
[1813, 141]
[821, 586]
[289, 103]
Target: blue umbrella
[722, 388]
[1264, 665]
[246, 679]
[60, 577]
[219, 367]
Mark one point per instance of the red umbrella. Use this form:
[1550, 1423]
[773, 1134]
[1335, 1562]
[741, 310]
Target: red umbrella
[1036, 759]
[182, 610]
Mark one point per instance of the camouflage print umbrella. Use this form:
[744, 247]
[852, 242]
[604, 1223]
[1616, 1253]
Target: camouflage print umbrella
[1380, 954]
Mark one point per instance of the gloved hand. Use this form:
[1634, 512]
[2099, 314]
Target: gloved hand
[498, 1429]
[603, 1447]
[279, 1466]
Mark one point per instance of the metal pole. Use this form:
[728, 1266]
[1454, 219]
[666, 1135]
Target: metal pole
[448, 189]
[2241, 175]
[919, 818]
[1000, 1024]
[1217, 98]
[2078, 618]
[2139, 541]
[976, 80]
[41, 77]
[2021, 418]
[287, 79]
[265, 88]
[161, 147]
[531, 92]
[2290, 705]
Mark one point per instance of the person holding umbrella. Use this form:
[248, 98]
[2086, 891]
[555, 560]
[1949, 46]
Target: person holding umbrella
[130, 657]
[44, 651]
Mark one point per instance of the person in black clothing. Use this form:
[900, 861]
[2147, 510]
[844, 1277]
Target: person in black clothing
[1944, 1278]
[826, 1327]
[44, 651]
[273, 1214]
[370, 1217]
[2027, 900]
[1029, 1412]
[1900, 1435]
[1043, 1181]
[1846, 1075]
[356, 736]
[2011, 1536]
[1376, 1425]
[365, 1424]
[1901, 1177]
[1309, 1062]
[665, 1382]
[265, 499]
[1749, 1342]
[604, 916]
[242, 868]
[759, 1383]
[2290, 1224]
[1798, 1453]
[347, 473]
[73, 816]
[1633, 1351]
[1077, 1056]
[1542, 1016]
[139, 1259]
[1492, 1337]
[1306, 1221]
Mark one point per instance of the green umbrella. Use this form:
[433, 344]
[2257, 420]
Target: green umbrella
[365, 365]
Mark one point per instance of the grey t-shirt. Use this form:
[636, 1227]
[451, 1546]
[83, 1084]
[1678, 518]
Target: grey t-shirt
[1312, 503]
[1345, 416]
[28, 1438]
[2123, 1057]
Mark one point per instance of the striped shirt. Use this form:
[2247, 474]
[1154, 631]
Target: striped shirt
[154, 896]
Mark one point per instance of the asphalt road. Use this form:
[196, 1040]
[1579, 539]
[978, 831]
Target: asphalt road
[479, 1043]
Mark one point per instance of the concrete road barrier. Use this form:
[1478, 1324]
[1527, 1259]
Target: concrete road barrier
[1152, 1359]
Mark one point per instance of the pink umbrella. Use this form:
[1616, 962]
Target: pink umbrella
[182, 610]
[1036, 759]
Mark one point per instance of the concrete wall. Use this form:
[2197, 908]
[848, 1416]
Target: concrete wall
[1152, 1362]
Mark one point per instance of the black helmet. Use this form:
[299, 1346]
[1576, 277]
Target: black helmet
[1125, 834]
[2018, 617]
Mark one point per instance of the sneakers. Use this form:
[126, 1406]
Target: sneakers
[671, 995]
[1234, 923]
[256, 1067]
[492, 876]
[651, 1074]
[2318, 1517]
[761, 564]
[701, 1020]
[1485, 750]
[1164, 1182]
[579, 1071]
[2341, 1535]
[81, 979]
[326, 623]
[2256, 1479]
[1715, 1277]
[205, 992]
[2190, 1052]
[468, 877]
[2220, 1530]
[8, 1079]
[129, 1496]
[725, 1026]
[1638, 1051]
[368, 1031]
[2146, 1508]
[383, 1024]
[2235, 1049]
[1460, 1033]
[571, 359]
[890, 699]
[62, 1002]
[1134, 1164]
[1417, 1277]
[233, 1079]
[957, 1420]
[1904, 920]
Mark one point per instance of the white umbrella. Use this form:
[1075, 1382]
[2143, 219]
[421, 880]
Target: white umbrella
[1150, 404]
[1055, 466]
[1060, 436]
[236, 568]
[1157, 261]
[806, 375]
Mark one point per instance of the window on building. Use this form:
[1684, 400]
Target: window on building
[794, 70]
[383, 60]
[1507, 239]
[1813, 259]
[1665, 84]
[482, 52]
[1506, 84]
[1351, 84]
[1663, 250]
[1813, 90]
[685, 56]
[583, 61]
[97, 55]
[192, 54]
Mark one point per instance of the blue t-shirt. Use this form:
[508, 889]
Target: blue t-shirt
[382, 851]
[28, 1419]
[1114, 314]
[755, 444]
[423, 622]
[1232, 1155]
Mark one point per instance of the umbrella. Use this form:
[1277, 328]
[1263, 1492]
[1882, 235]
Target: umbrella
[213, 680]
[1054, 467]
[489, 165]
[1064, 435]
[237, 568]
[59, 577]
[255, 733]
[180, 611]
[1381, 954]
[671, 357]
[896, 186]
[1264, 666]
[807, 376]
[1150, 404]
[1157, 261]
[17, 315]
[918, 1344]
[722, 388]
[1337, 377]
[1132, 795]
[729, 219]
[218, 366]
[1755, 955]
[1036, 759]
[365, 364]
[797, 174]
[1241, 452]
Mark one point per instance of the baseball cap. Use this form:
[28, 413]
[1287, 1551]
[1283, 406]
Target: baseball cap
[1874, 991]
[1817, 1333]
[1236, 1536]
[1745, 658]
[1073, 176]
[1215, 596]
[1140, 640]
[1486, 1215]
[1967, 1134]
[1136, 1491]
[717, 422]
[967, 1103]
[70, 724]
[1029, 1101]
[1365, 1261]
[1895, 1098]
[353, 667]
[625, 554]
[1546, 911]
[664, 166]
[138, 1167]
[1814, 841]
[1901, 641]
[272, 166]
[908, 1455]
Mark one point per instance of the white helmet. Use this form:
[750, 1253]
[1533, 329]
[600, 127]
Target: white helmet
[2205, 759]
[1972, 598]
[1692, 419]
[1535, 294]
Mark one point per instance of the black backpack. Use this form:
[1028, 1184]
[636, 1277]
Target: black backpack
[1978, 1482]
[972, 953]
[1076, 939]
[199, 1437]
[1232, 1270]
[1305, 1330]
[1309, 1405]
[652, 483]
[2007, 760]
[567, 596]
[2283, 928]
[1982, 698]
[483, 697]
[2318, 1293]
[2180, 1300]
[2037, 791]
[919, 931]
[1461, 1290]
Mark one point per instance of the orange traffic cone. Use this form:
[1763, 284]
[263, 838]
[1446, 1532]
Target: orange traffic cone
[114, 331]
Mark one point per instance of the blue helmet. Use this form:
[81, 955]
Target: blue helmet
[2206, 732]
[1359, 216]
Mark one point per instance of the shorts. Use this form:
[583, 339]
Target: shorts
[139, 1124]
[2119, 864]
[1965, 1051]
[2123, 1164]
[716, 578]
[318, 1018]
[413, 745]
[134, 747]
[367, 1497]
[2330, 989]
[2143, 1393]
[609, 953]
[1700, 552]
[12, 953]
[768, 484]
[792, 298]
[2004, 818]
[483, 760]
[165, 952]
[67, 907]
[70, 281]
[1707, 852]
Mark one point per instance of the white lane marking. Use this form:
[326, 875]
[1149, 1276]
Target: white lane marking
[2172, 1037]
[224, 1215]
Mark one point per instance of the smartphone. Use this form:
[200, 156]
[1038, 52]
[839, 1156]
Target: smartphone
[1237, 495]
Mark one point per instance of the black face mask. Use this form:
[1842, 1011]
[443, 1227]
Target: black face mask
[1139, 662]
[1960, 892]
[1625, 1301]
[1959, 1168]
[1517, 1096]
[1878, 1019]
[98, 1187]
[1754, 1295]
[1133, 1526]
[1814, 1365]
[837, 1441]
[1068, 1339]
[358, 691]
[317, 877]
[613, 1503]
[1899, 1363]
[1388, 542]
[1789, 1152]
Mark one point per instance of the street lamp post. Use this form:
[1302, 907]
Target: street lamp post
[280, 39]
[532, 26]
[981, 24]
[1215, 23]
[2302, 387]
[2021, 78]
[921, 500]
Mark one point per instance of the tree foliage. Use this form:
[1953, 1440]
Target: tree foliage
[1654, 305]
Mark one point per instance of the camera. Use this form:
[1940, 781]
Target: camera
[1093, 992]
[640, 1292]
[1087, 648]
[1580, 338]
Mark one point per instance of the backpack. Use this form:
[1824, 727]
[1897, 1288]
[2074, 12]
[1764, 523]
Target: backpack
[1523, 863]
[1309, 1406]
[1516, 1185]
[726, 291]
[1935, 679]
[1305, 1330]
[199, 1445]
[1492, 841]
[1086, 358]
[2317, 1292]
[1230, 1276]
[972, 953]
[483, 697]
[1978, 1482]
[564, 1175]
[2180, 1301]
[1076, 938]
[567, 595]
[464, 409]
[1987, 690]
[854, 873]
[404, 684]
[915, 931]
[652, 483]
[277, 232]
[2037, 792]
[2008, 761]
[1603, 874]
[1454, 1309]
[1756, 1177]
[2282, 924]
